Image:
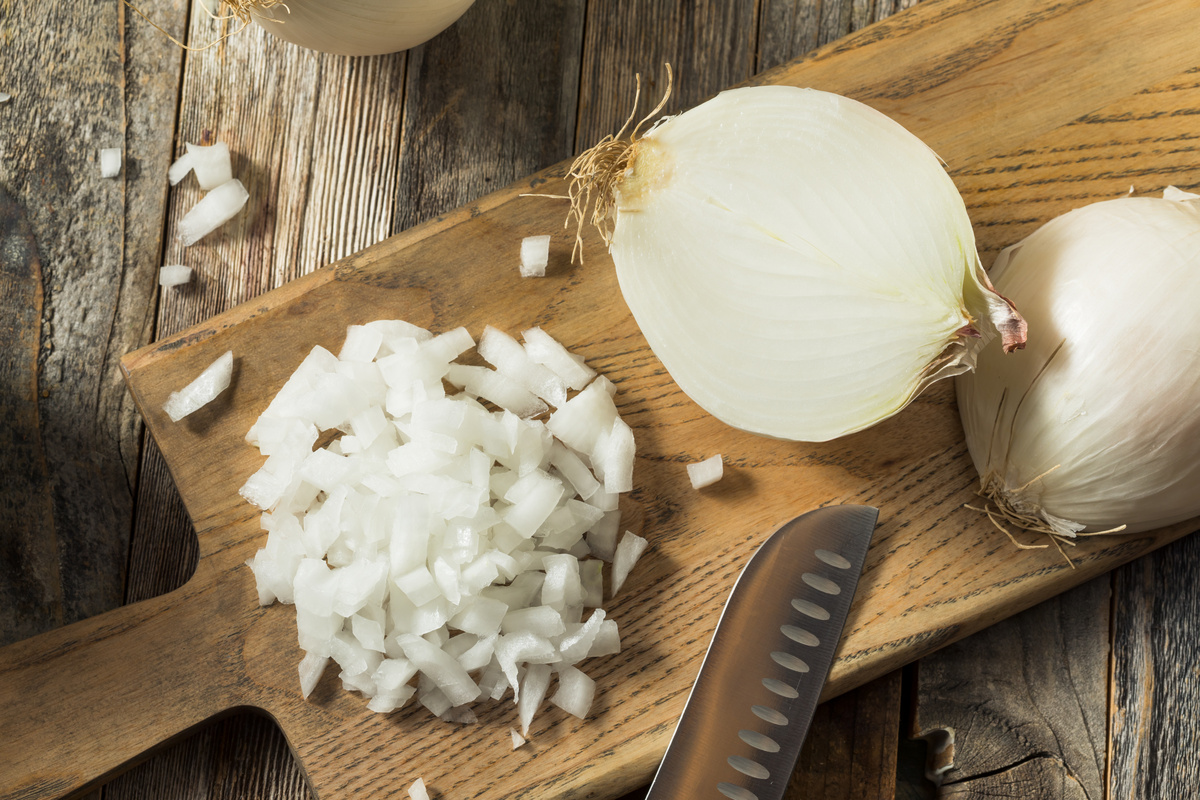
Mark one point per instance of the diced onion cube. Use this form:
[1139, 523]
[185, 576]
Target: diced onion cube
[517, 739]
[509, 358]
[575, 692]
[547, 351]
[179, 168]
[535, 255]
[417, 791]
[311, 668]
[174, 275]
[203, 390]
[629, 550]
[211, 164]
[218, 207]
[110, 162]
[533, 691]
[706, 472]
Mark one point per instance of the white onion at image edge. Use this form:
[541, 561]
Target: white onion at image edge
[1097, 423]
[802, 265]
[357, 27]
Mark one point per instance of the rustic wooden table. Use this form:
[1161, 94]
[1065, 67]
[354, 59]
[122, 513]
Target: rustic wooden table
[1093, 694]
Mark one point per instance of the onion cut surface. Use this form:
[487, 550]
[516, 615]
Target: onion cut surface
[439, 548]
[802, 265]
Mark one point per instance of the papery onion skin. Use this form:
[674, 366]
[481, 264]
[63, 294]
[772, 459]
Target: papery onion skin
[1097, 423]
[802, 265]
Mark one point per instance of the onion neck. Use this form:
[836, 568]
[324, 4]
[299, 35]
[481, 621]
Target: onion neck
[985, 303]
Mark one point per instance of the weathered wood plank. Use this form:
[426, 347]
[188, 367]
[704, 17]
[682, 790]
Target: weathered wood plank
[791, 28]
[1154, 731]
[30, 583]
[97, 243]
[851, 749]
[1030, 688]
[490, 100]
[1044, 777]
[709, 44]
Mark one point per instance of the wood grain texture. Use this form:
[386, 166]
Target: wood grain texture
[31, 588]
[339, 217]
[1030, 688]
[54, 127]
[927, 556]
[488, 102]
[1154, 731]
[1044, 777]
[850, 752]
[710, 46]
[789, 29]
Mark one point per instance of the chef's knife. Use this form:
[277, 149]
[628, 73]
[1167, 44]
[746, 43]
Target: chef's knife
[750, 708]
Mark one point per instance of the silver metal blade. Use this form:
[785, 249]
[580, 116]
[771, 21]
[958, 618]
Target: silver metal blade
[750, 709]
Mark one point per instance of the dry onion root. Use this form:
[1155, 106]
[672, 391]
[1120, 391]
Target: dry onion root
[442, 547]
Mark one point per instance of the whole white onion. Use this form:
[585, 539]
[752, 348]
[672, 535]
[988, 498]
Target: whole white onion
[1096, 424]
[358, 27]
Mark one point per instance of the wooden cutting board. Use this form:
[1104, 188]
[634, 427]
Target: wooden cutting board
[1036, 109]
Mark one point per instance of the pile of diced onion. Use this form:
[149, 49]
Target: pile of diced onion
[445, 543]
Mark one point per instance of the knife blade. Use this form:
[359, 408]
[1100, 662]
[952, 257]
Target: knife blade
[749, 710]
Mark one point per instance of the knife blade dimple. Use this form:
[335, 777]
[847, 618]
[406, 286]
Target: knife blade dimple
[781, 624]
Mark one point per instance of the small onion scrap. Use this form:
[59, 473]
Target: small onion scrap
[174, 275]
[441, 545]
[214, 210]
[110, 162]
[706, 472]
[203, 390]
[418, 791]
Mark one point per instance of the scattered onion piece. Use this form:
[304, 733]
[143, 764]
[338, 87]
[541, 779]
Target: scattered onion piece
[202, 391]
[571, 368]
[218, 207]
[575, 692]
[174, 275]
[629, 550]
[417, 791]
[706, 472]
[211, 164]
[535, 255]
[110, 162]
[5, 97]
[179, 168]
[517, 739]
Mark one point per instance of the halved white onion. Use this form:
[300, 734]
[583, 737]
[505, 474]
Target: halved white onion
[802, 265]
